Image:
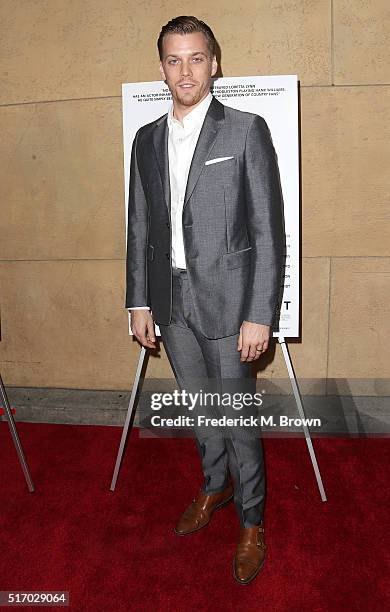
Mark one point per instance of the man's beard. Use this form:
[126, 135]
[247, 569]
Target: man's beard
[190, 98]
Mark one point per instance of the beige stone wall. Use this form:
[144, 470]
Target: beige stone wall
[62, 243]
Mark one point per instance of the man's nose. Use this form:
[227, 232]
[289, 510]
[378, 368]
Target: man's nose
[186, 68]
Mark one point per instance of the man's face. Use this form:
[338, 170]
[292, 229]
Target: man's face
[187, 67]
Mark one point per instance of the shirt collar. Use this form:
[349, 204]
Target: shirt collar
[194, 117]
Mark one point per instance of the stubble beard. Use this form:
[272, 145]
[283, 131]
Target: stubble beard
[190, 98]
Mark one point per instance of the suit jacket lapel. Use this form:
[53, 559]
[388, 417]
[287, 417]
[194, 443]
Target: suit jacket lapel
[208, 134]
[160, 143]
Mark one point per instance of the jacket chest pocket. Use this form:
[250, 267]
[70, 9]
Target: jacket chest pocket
[220, 175]
[220, 163]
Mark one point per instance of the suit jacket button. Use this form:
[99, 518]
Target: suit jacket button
[167, 224]
[167, 255]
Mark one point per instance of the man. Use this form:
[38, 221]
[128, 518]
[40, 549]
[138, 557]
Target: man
[205, 253]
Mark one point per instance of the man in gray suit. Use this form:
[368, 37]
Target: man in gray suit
[205, 254]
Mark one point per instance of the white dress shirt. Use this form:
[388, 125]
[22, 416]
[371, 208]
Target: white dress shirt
[182, 139]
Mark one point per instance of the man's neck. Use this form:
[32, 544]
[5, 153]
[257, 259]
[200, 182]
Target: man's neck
[180, 111]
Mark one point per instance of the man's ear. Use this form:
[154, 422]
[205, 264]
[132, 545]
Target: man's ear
[162, 72]
[214, 66]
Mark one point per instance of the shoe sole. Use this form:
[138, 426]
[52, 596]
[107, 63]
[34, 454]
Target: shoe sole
[220, 505]
[248, 580]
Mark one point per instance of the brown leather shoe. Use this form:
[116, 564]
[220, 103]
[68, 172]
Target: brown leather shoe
[250, 554]
[199, 512]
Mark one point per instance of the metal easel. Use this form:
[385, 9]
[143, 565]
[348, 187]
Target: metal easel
[129, 416]
[298, 401]
[15, 437]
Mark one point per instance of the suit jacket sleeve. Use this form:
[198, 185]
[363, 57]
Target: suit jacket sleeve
[264, 203]
[137, 235]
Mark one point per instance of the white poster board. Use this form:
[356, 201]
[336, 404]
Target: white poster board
[275, 98]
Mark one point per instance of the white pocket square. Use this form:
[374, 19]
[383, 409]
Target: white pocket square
[217, 160]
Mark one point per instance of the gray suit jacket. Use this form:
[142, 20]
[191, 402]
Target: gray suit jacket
[233, 228]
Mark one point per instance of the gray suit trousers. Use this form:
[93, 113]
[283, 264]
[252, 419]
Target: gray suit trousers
[215, 364]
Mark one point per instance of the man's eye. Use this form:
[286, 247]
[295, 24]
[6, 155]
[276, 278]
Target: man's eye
[173, 61]
[197, 59]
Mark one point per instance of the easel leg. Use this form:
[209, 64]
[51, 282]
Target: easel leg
[128, 417]
[301, 411]
[15, 437]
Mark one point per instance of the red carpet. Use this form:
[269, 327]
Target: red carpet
[117, 551]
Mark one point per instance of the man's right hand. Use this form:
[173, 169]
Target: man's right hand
[142, 326]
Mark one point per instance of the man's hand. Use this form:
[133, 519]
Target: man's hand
[142, 326]
[253, 340]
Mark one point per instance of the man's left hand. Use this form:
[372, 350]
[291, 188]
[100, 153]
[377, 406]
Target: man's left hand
[253, 340]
